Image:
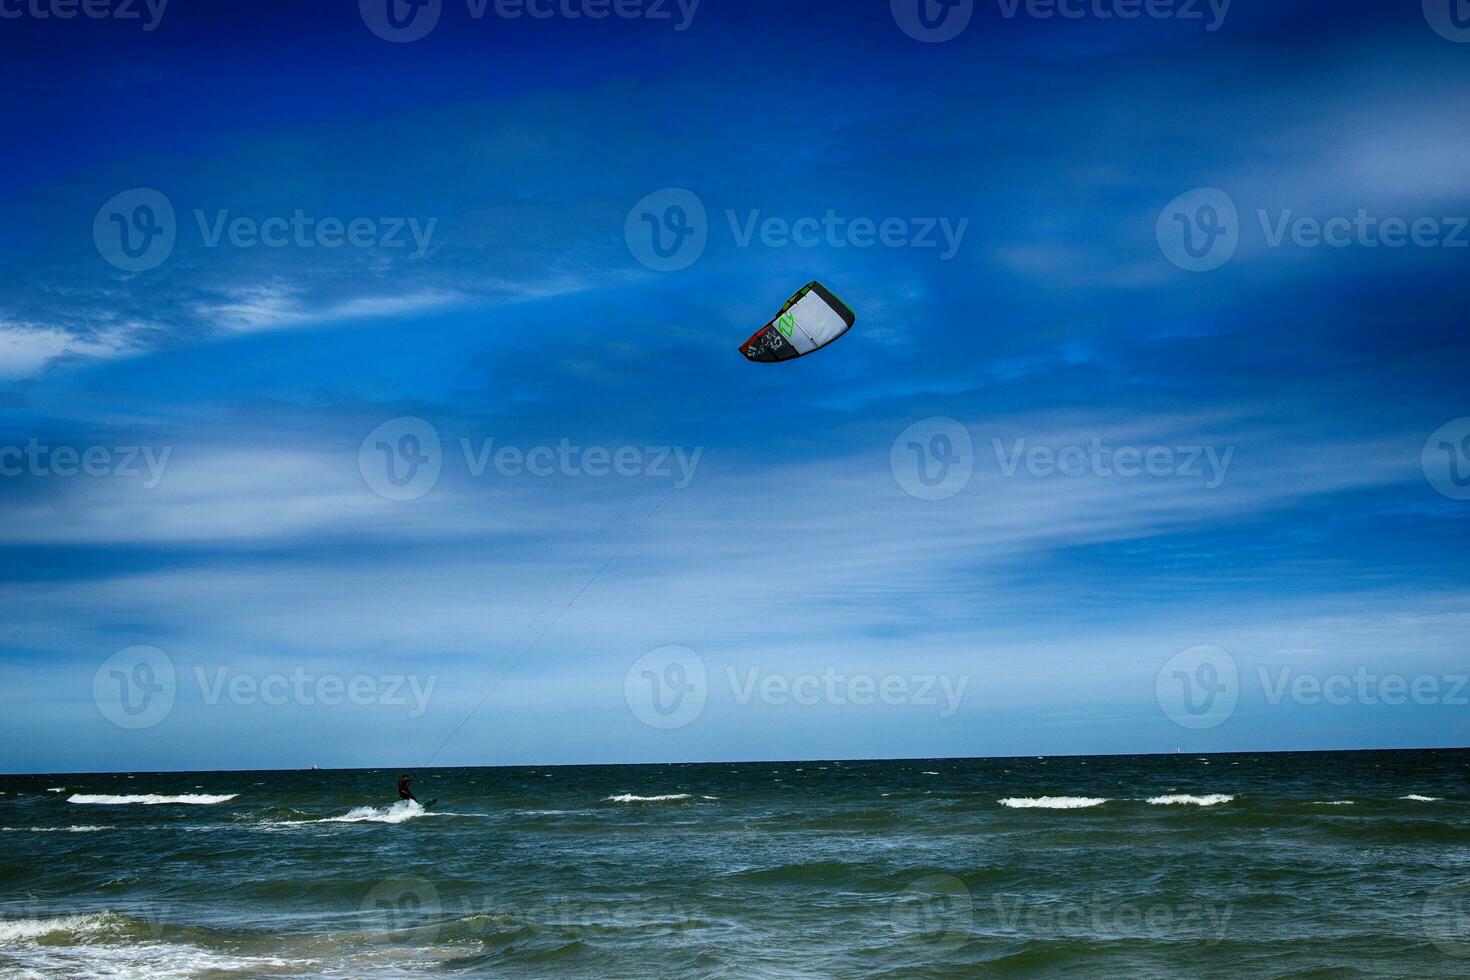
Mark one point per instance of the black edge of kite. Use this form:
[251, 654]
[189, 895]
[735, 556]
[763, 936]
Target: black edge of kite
[843, 310]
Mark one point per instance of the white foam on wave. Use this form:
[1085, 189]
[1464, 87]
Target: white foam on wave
[1421, 799]
[1052, 802]
[77, 829]
[1332, 803]
[150, 799]
[1182, 799]
[397, 813]
[15, 930]
[633, 798]
[79, 946]
[56, 789]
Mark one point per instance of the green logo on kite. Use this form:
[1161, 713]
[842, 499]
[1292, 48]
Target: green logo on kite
[786, 324]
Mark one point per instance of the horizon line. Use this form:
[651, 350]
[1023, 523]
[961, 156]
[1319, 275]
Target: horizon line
[759, 762]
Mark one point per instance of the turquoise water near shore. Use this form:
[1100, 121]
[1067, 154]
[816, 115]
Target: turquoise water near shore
[1281, 864]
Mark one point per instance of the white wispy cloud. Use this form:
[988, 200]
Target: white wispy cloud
[26, 348]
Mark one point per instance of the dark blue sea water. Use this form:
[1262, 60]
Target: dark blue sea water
[1328, 864]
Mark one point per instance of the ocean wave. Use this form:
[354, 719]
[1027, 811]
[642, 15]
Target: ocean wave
[15, 930]
[632, 798]
[77, 829]
[1178, 799]
[86, 946]
[1332, 803]
[162, 961]
[56, 789]
[1422, 799]
[397, 813]
[830, 873]
[150, 799]
[1052, 802]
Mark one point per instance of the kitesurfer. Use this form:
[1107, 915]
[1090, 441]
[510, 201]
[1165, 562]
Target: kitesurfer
[404, 793]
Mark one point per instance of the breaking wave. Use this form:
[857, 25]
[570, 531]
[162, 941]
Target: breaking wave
[150, 799]
[1052, 802]
[1181, 799]
[15, 930]
[110, 945]
[77, 829]
[399, 812]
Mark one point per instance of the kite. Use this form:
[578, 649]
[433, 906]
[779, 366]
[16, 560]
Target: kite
[810, 320]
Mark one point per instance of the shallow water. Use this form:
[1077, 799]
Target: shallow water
[1352, 863]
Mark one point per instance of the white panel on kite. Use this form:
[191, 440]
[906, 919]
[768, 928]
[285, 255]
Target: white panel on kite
[818, 321]
[810, 320]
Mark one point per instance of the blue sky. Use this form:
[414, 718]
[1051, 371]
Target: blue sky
[1313, 374]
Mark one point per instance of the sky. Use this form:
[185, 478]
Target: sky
[370, 393]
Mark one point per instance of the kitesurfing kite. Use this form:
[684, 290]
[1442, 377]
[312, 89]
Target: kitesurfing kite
[811, 319]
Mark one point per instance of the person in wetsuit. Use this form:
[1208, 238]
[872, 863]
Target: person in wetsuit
[404, 793]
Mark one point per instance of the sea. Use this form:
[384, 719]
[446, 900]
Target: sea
[1263, 865]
